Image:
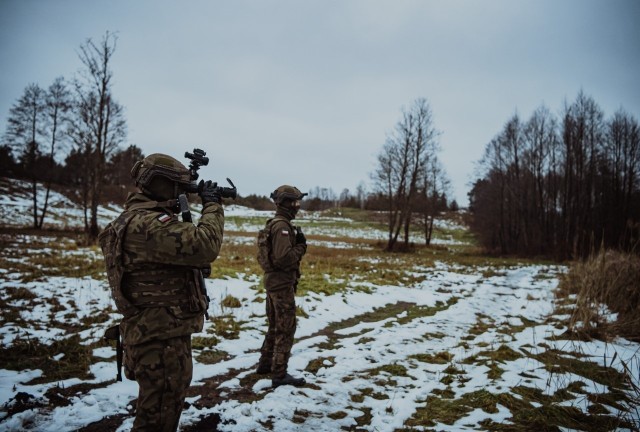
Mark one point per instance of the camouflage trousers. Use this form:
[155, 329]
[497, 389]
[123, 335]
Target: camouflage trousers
[163, 370]
[281, 316]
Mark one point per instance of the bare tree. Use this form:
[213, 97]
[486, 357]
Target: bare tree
[99, 124]
[620, 172]
[24, 134]
[561, 189]
[582, 136]
[432, 197]
[361, 195]
[401, 165]
[57, 109]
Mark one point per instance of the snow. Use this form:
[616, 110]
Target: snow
[354, 359]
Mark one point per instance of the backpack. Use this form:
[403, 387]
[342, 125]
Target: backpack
[264, 245]
[110, 240]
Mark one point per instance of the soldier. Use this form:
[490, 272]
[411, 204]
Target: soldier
[155, 267]
[280, 250]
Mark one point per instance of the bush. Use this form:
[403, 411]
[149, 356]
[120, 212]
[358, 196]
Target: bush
[609, 278]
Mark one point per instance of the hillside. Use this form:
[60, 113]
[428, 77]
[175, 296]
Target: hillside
[441, 339]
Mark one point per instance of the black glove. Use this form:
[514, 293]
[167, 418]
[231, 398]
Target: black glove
[210, 192]
[300, 238]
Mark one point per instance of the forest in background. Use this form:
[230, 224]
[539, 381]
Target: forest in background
[555, 186]
[560, 186]
[74, 135]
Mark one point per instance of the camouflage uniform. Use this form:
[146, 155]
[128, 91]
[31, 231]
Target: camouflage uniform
[163, 301]
[280, 280]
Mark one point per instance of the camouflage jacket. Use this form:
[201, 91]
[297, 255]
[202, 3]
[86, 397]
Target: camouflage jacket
[286, 256]
[159, 247]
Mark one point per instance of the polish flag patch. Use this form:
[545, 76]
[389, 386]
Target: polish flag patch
[164, 218]
[285, 233]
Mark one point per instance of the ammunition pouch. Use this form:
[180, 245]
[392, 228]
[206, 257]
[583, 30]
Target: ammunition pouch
[166, 288]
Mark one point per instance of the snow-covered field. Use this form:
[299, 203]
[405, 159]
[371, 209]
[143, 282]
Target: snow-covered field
[374, 356]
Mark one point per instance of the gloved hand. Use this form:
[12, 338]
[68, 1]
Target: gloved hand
[300, 238]
[210, 192]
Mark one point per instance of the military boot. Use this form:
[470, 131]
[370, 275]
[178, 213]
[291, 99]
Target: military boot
[287, 380]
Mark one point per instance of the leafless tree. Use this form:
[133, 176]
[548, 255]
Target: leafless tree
[401, 167]
[561, 189]
[99, 123]
[432, 197]
[57, 108]
[25, 133]
[361, 194]
[582, 138]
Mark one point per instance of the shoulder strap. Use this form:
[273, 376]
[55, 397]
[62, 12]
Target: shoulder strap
[275, 219]
[152, 204]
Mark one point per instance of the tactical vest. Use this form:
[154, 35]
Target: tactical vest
[264, 244]
[152, 285]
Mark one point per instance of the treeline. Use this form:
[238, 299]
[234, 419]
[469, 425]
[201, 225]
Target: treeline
[70, 133]
[560, 186]
[68, 174]
[73, 133]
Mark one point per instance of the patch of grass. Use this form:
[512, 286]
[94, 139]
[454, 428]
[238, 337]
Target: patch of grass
[32, 354]
[608, 278]
[19, 293]
[300, 416]
[446, 393]
[337, 415]
[453, 374]
[612, 398]
[559, 362]
[300, 312]
[492, 359]
[438, 410]
[434, 335]
[65, 265]
[391, 369]
[225, 326]
[230, 302]
[212, 356]
[368, 392]
[203, 342]
[415, 312]
[365, 418]
[482, 325]
[316, 364]
[410, 312]
[533, 410]
[98, 317]
[234, 259]
[438, 358]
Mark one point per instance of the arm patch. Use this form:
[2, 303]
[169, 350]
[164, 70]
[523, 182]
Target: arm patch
[164, 218]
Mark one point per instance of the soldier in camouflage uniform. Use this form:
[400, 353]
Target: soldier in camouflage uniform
[154, 265]
[281, 247]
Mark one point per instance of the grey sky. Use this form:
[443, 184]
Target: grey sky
[305, 92]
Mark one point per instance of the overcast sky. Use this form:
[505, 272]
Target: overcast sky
[305, 92]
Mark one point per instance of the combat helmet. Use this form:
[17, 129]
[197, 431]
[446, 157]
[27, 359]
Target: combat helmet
[161, 176]
[286, 192]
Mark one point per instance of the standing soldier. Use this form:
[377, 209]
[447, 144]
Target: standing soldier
[280, 250]
[155, 267]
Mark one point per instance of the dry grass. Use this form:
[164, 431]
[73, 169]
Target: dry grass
[609, 278]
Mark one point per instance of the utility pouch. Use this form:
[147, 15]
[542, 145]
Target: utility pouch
[199, 293]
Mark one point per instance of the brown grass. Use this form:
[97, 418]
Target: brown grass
[609, 278]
